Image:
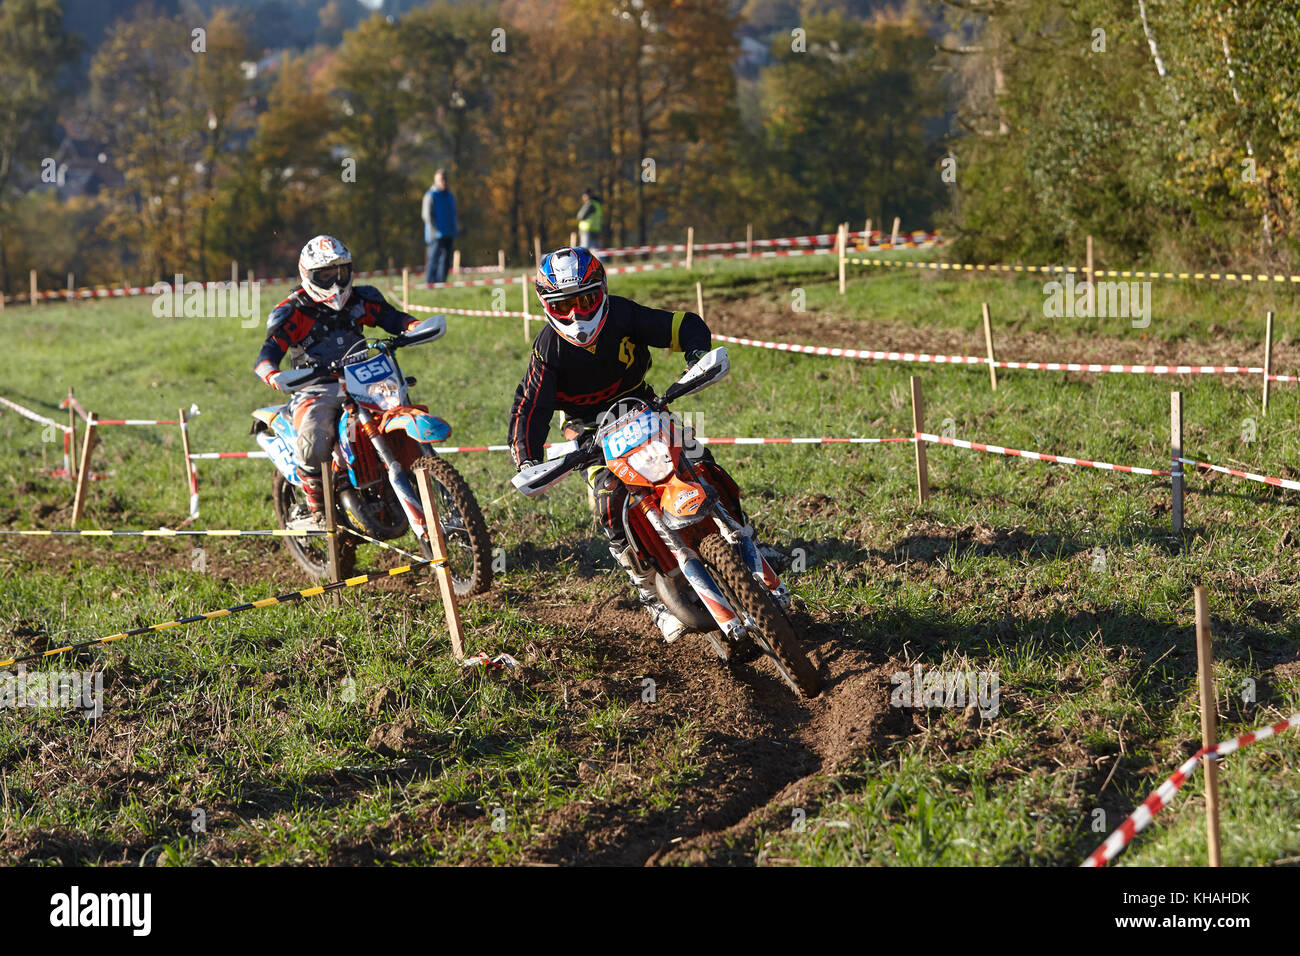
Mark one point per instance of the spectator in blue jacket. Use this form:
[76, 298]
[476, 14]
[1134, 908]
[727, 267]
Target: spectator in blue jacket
[440, 228]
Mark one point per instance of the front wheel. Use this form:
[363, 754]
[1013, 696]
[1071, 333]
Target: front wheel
[469, 547]
[772, 630]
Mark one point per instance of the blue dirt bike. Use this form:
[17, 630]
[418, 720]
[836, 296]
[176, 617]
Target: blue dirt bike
[382, 439]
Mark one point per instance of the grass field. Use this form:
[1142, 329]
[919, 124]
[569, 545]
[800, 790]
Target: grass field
[321, 733]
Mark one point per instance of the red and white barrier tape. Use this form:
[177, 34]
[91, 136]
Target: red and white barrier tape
[1036, 456]
[1100, 273]
[459, 449]
[1263, 479]
[443, 311]
[879, 355]
[33, 416]
[1165, 793]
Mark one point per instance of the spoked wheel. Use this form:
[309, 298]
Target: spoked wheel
[311, 553]
[773, 631]
[469, 548]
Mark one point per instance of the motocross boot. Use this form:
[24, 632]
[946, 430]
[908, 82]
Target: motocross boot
[669, 625]
[313, 517]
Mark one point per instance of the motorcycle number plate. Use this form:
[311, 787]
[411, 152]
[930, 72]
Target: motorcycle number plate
[638, 431]
[376, 369]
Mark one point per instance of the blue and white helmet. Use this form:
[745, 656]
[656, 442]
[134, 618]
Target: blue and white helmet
[325, 268]
[573, 290]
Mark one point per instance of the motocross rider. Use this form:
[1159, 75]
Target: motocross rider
[316, 324]
[593, 353]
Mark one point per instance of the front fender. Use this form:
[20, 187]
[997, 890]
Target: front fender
[416, 422]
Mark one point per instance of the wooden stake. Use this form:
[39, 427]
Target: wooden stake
[537, 250]
[455, 262]
[191, 473]
[1088, 271]
[72, 286]
[573, 240]
[867, 244]
[35, 299]
[501, 260]
[842, 240]
[83, 476]
[988, 342]
[918, 426]
[690, 246]
[893, 236]
[1176, 441]
[699, 300]
[1268, 356]
[72, 437]
[332, 542]
[1209, 723]
[406, 290]
[441, 571]
[749, 239]
[524, 286]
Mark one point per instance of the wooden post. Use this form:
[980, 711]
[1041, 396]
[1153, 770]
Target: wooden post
[893, 236]
[72, 286]
[690, 246]
[1088, 272]
[191, 470]
[749, 239]
[406, 290]
[234, 273]
[34, 297]
[1176, 467]
[83, 476]
[1209, 723]
[455, 262]
[988, 342]
[573, 240]
[537, 251]
[867, 244]
[332, 539]
[501, 260]
[1268, 356]
[842, 240]
[918, 426]
[72, 437]
[441, 571]
[699, 299]
[524, 285]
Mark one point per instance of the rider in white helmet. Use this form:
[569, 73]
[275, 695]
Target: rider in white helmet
[316, 324]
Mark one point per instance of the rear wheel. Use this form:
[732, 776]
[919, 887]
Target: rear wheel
[772, 629]
[469, 547]
[310, 553]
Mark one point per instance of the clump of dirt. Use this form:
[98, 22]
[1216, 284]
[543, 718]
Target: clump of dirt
[394, 738]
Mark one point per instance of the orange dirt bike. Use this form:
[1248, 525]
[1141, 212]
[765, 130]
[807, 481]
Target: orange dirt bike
[684, 522]
[381, 439]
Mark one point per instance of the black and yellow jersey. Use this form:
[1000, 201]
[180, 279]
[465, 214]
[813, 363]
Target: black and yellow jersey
[583, 382]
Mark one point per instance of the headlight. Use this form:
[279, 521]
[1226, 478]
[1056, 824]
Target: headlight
[385, 394]
[652, 461]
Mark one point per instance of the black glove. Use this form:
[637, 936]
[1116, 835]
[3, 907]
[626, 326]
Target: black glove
[527, 464]
[694, 356]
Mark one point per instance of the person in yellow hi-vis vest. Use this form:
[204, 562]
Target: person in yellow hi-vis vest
[591, 220]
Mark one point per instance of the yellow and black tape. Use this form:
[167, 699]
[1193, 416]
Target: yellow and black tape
[1099, 273]
[227, 611]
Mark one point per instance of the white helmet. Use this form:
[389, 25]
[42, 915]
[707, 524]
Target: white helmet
[325, 268]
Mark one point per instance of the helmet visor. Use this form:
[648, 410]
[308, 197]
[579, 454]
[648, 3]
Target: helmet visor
[573, 307]
[332, 277]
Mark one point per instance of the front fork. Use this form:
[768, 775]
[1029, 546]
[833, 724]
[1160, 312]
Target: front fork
[407, 495]
[723, 614]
